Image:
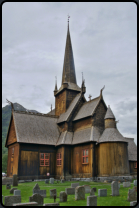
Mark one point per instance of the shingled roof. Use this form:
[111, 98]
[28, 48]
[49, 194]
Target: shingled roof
[109, 113]
[65, 138]
[64, 116]
[37, 129]
[71, 86]
[132, 149]
[86, 135]
[87, 109]
[111, 135]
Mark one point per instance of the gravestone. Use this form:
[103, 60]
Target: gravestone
[92, 193]
[87, 188]
[15, 180]
[10, 200]
[26, 204]
[135, 182]
[53, 192]
[7, 180]
[79, 193]
[74, 185]
[70, 191]
[51, 204]
[8, 186]
[115, 188]
[62, 180]
[102, 192]
[94, 188]
[37, 198]
[63, 196]
[46, 180]
[51, 180]
[36, 187]
[36, 190]
[17, 193]
[133, 203]
[132, 195]
[12, 190]
[126, 184]
[91, 200]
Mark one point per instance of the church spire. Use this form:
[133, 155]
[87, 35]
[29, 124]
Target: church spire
[68, 67]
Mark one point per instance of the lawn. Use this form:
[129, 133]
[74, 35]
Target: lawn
[26, 192]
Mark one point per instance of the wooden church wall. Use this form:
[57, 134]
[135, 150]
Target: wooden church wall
[12, 163]
[59, 168]
[112, 159]
[60, 103]
[80, 170]
[70, 95]
[98, 118]
[12, 135]
[29, 161]
[83, 123]
[133, 170]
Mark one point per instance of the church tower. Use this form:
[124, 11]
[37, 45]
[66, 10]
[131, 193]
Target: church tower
[69, 88]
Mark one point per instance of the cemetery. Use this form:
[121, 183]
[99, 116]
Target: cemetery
[70, 193]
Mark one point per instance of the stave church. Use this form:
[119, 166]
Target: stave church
[77, 139]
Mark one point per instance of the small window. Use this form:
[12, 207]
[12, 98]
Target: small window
[135, 166]
[85, 156]
[13, 152]
[59, 159]
[44, 159]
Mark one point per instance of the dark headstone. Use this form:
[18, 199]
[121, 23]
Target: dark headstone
[15, 180]
[12, 190]
[8, 186]
[37, 198]
[10, 200]
[63, 196]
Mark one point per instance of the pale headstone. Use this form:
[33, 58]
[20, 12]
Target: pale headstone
[8, 186]
[51, 204]
[63, 196]
[79, 193]
[74, 185]
[87, 188]
[10, 200]
[70, 191]
[17, 193]
[126, 184]
[12, 190]
[26, 204]
[51, 180]
[132, 195]
[135, 182]
[53, 192]
[102, 192]
[92, 193]
[133, 203]
[91, 200]
[37, 198]
[15, 180]
[115, 188]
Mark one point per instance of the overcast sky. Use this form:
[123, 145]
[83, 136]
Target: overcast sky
[104, 43]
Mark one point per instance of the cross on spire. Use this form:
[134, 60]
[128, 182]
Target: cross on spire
[90, 97]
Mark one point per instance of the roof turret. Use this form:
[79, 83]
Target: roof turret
[109, 113]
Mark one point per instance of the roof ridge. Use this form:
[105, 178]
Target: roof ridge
[89, 101]
[36, 114]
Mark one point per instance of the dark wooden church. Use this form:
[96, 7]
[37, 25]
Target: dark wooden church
[78, 139]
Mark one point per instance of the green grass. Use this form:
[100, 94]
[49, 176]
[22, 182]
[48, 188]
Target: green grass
[26, 192]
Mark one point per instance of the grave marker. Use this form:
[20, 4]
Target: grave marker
[79, 193]
[91, 200]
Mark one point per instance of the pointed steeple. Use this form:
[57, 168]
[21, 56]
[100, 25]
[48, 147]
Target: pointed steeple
[69, 68]
[109, 114]
[55, 90]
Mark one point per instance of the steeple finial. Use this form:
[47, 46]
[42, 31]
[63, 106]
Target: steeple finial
[55, 83]
[11, 104]
[101, 91]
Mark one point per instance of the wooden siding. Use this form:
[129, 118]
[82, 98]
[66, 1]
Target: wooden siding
[12, 135]
[29, 161]
[60, 103]
[133, 170]
[83, 123]
[12, 163]
[112, 159]
[80, 170]
[60, 169]
[70, 95]
[110, 123]
[67, 161]
[98, 117]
